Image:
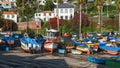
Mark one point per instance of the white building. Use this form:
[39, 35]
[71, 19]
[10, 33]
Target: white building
[5, 5]
[10, 16]
[44, 16]
[65, 11]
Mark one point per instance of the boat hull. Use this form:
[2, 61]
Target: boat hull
[111, 52]
[50, 46]
[96, 60]
[29, 47]
[82, 48]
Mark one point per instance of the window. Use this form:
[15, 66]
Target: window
[36, 14]
[61, 17]
[71, 11]
[66, 10]
[66, 17]
[8, 16]
[13, 16]
[71, 16]
[61, 10]
[7, 4]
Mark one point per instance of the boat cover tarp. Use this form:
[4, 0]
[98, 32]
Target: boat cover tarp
[103, 46]
[7, 38]
[29, 40]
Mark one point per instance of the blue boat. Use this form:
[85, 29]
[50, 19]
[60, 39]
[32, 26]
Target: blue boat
[31, 45]
[96, 60]
[109, 49]
[9, 39]
[111, 61]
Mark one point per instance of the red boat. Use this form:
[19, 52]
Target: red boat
[52, 40]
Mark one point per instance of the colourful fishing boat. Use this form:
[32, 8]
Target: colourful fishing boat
[30, 45]
[52, 40]
[9, 39]
[109, 49]
[96, 60]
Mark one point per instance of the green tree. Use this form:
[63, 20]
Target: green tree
[49, 5]
[59, 1]
[26, 8]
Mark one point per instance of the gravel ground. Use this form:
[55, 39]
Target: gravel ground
[19, 59]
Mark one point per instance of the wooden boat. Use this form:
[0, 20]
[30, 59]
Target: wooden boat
[74, 51]
[30, 45]
[109, 49]
[96, 60]
[52, 40]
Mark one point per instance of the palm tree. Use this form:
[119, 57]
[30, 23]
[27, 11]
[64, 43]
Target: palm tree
[99, 4]
[118, 6]
[81, 3]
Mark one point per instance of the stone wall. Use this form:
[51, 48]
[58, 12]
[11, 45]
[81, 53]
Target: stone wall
[31, 25]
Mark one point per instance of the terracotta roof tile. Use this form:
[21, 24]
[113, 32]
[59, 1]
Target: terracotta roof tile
[9, 13]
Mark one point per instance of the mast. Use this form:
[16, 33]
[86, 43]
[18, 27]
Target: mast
[57, 17]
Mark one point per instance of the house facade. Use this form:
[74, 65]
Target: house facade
[10, 16]
[44, 16]
[5, 5]
[65, 11]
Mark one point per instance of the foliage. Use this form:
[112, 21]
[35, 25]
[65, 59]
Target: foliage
[48, 5]
[117, 2]
[1, 22]
[85, 21]
[59, 1]
[66, 27]
[53, 22]
[9, 25]
[26, 8]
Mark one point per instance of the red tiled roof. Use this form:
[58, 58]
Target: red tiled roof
[47, 11]
[9, 13]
